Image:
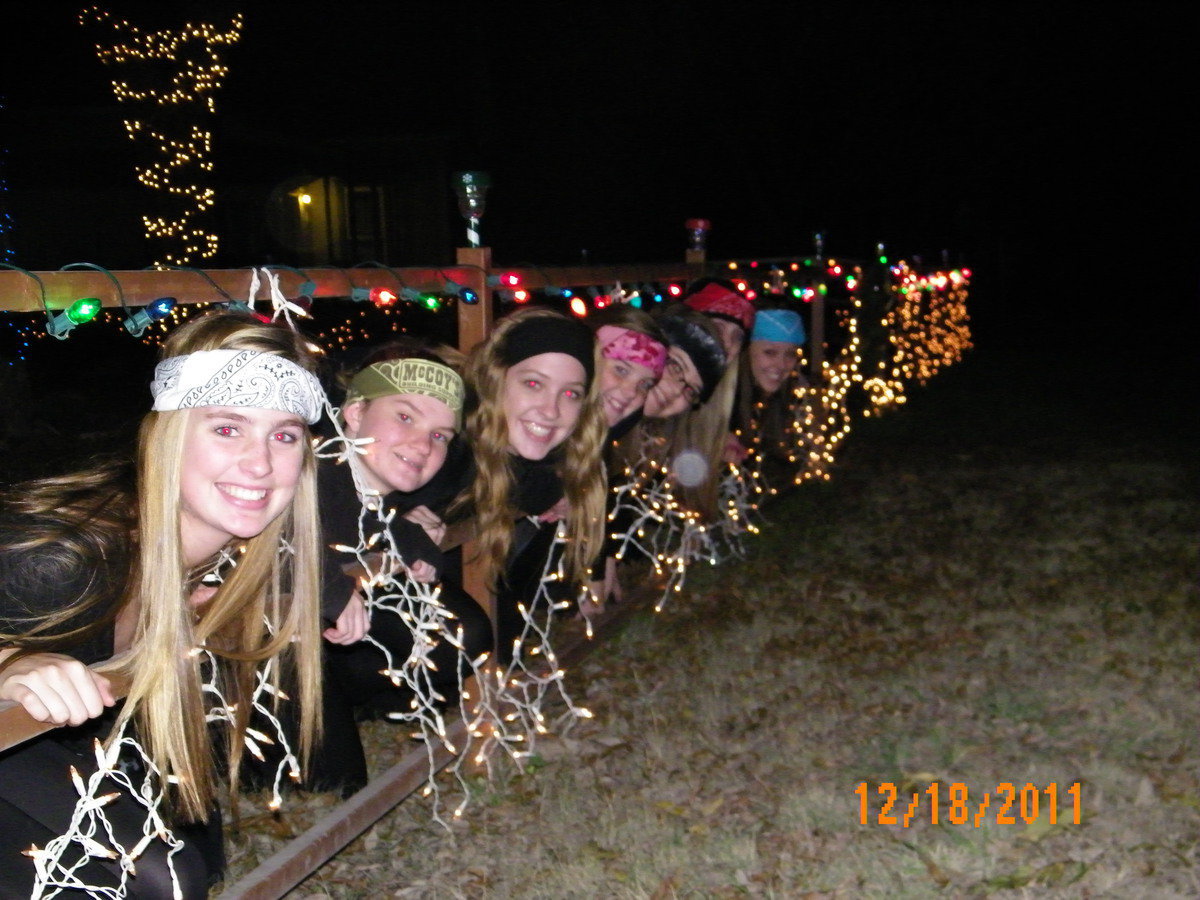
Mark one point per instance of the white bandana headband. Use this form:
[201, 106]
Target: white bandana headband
[237, 378]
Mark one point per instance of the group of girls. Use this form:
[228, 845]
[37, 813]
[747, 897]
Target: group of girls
[227, 545]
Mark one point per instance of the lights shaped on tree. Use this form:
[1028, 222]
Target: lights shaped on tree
[172, 71]
[137, 322]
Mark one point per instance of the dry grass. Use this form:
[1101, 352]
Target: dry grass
[964, 603]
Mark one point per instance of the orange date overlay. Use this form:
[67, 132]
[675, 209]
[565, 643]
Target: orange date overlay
[953, 803]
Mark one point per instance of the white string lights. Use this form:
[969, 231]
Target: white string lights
[182, 153]
[90, 834]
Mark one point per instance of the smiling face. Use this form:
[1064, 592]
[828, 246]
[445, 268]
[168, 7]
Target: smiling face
[239, 471]
[771, 362]
[623, 387]
[543, 399]
[678, 388]
[409, 436]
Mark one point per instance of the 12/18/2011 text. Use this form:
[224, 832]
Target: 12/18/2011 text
[1006, 804]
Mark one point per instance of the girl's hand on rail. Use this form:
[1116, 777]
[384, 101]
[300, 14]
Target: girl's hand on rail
[202, 595]
[422, 571]
[434, 526]
[591, 604]
[55, 688]
[735, 451]
[612, 584]
[352, 625]
[558, 511]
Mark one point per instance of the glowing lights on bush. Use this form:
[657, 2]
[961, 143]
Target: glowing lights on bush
[928, 326]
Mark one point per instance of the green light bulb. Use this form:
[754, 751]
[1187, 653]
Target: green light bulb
[83, 310]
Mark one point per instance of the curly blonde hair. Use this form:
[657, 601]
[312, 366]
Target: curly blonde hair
[490, 496]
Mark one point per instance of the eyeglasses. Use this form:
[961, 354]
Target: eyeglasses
[675, 369]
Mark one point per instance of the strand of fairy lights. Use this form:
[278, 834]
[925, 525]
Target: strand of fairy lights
[197, 72]
[386, 589]
[929, 324]
[509, 712]
[662, 529]
[90, 834]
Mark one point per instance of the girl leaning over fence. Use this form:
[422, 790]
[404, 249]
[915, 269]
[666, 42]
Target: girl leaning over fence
[400, 419]
[535, 428]
[768, 393]
[632, 359]
[108, 564]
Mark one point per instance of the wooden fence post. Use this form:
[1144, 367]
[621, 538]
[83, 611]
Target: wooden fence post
[816, 334]
[475, 319]
[474, 325]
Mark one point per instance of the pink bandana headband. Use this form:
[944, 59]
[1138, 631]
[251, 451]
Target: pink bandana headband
[632, 347]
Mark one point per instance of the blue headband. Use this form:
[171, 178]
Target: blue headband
[781, 325]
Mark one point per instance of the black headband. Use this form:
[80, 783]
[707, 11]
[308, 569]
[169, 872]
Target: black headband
[550, 334]
[698, 343]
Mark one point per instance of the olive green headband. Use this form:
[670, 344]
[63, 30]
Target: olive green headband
[409, 376]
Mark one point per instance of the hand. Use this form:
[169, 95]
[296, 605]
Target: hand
[434, 526]
[422, 572]
[735, 452]
[558, 511]
[351, 626]
[591, 604]
[202, 595]
[612, 584]
[56, 689]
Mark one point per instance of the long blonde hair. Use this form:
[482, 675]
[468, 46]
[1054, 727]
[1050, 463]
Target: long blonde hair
[266, 608]
[490, 496]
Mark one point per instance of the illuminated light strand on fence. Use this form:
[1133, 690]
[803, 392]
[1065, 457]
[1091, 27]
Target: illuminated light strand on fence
[662, 529]
[387, 589]
[511, 709]
[89, 832]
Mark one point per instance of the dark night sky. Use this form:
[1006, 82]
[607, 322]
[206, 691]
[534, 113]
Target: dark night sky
[1049, 149]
